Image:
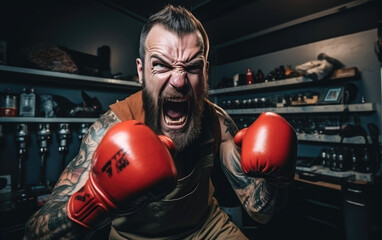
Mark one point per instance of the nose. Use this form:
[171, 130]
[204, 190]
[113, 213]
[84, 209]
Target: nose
[178, 79]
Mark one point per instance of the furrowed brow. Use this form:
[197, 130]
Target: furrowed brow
[154, 56]
[195, 62]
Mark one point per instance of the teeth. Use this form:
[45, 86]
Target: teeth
[171, 121]
[176, 100]
[174, 114]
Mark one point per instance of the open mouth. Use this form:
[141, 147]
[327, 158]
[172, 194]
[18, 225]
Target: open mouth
[175, 111]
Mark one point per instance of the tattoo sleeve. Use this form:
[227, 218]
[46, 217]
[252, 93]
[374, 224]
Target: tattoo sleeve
[50, 221]
[258, 198]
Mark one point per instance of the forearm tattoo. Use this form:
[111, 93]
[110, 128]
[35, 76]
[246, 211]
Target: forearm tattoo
[258, 198]
[254, 194]
[50, 221]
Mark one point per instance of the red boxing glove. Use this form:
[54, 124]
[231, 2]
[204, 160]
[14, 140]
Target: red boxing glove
[269, 149]
[130, 166]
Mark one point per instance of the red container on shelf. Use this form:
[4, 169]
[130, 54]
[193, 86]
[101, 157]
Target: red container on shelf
[249, 77]
[8, 104]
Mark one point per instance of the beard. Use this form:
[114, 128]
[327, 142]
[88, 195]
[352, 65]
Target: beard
[181, 137]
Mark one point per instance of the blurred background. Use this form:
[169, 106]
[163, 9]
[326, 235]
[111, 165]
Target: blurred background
[317, 63]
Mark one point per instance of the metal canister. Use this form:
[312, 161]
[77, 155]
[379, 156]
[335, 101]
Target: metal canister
[8, 104]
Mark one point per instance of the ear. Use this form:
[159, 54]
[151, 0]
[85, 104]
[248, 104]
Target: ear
[139, 63]
[239, 136]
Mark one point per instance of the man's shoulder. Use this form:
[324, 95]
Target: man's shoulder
[228, 128]
[131, 98]
[109, 117]
[129, 108]
[220, 112]
[222, 124]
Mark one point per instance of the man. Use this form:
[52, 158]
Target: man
[172, 69]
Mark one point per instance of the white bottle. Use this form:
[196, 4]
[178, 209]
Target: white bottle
[27, 103]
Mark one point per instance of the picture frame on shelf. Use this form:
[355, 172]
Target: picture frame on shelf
[332, 96]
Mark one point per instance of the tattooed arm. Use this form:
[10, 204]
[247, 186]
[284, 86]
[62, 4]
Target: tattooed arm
[260, 199]
[51, 221]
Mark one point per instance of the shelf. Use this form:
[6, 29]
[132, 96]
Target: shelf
[45, 120]
[346, 73]
[289, 81]
[73, 78]
[353, 176]
[330, 138]
[361, 107]
[318, 183]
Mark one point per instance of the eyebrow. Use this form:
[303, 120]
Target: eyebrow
[160, 59]
[192, 62]
[197, 62]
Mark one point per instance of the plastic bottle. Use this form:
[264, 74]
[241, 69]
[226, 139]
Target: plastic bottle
[249, 77]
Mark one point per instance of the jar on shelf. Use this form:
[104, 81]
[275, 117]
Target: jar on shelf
[27, 103]
[8, 104]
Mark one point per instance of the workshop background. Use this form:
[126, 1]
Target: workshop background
[316, 62]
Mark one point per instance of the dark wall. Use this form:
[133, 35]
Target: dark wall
[346, 21]
[79, 25]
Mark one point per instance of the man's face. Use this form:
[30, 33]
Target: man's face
[174, 77]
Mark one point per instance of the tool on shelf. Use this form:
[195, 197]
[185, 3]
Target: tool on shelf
[44, 136]
[64, 136]
[22, 145]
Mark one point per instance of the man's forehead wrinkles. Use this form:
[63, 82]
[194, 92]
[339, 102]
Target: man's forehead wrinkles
[196, 58]
[159, 57]
[172, 47]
